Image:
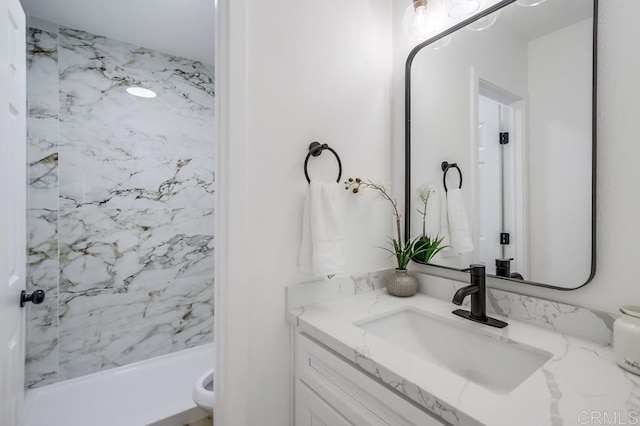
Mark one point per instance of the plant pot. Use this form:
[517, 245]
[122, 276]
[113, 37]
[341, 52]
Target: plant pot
[401, 284]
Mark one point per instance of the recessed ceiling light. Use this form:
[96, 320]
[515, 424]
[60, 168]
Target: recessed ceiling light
[141, 92]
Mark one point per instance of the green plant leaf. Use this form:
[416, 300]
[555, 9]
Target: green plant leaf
[426, 247]
[421, 249]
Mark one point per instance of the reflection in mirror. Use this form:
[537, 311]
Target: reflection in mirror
[509, 101]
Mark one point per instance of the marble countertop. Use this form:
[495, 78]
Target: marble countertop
[580, 384]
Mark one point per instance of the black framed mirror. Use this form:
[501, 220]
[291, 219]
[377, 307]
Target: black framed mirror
[500, 140]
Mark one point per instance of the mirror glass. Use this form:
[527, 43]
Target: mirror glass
[501, 143]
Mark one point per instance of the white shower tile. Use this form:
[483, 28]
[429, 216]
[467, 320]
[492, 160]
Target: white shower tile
[42, 153]
[110, 248]
[115, 326]
[42, 319]
[127, 152]
[95, 72]
[42, 73]
[119, 168]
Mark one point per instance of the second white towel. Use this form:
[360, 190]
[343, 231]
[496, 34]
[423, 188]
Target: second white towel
[444, 233]
[459, 229]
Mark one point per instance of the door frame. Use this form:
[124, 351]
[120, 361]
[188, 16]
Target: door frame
[518, 103]
[232, 326]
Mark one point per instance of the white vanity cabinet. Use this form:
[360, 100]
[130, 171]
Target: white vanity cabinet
[331, 391]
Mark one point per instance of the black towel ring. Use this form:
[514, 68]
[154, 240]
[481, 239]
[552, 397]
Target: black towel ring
[445, 168]
[315, 149]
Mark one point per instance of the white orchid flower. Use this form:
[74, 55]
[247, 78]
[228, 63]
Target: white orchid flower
[423, 191]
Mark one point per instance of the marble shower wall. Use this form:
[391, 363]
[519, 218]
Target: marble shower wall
[121, 204]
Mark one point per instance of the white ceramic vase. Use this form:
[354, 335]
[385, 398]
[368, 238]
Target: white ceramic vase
[400, 283]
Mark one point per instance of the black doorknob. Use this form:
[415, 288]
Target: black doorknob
[37, 297]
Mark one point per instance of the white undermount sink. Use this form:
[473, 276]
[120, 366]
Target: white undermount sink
[495, 363]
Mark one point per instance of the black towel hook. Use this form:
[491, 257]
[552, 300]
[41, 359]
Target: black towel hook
[445, 168]
[315, 149]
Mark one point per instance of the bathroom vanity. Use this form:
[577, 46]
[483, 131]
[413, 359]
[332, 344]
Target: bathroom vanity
[329, 389]
[371, 358]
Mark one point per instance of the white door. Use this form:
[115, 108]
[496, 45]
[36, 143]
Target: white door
[13, 187]
[489, 184]
[500, 184]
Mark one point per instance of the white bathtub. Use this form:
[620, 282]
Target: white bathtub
[155, 391]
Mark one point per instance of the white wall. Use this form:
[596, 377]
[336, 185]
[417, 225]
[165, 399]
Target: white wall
[617, 219]
[297, 71]
[559, 155]
[618, 235]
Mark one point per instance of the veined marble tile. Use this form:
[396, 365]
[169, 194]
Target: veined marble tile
[110, 328]
[42, 273]
[123, 169]
[324, 290]
[95, 72]
[43, 249]
[107, 249]
[43, 163]
[41, 360]
[596, 326]
[42, 73]
[134, 182]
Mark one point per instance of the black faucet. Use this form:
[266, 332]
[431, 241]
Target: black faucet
[503, 269]
[477, 290]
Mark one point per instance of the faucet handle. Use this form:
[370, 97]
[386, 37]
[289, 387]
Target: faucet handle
[476, 269]
[503, 267]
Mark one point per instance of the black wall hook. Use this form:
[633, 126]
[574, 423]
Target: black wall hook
[445, 168]
[315, 149]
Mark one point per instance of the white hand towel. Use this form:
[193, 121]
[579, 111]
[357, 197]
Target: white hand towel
[444, 228]
[432, 226]
[304, 261]
[322, 250]
[458, 222]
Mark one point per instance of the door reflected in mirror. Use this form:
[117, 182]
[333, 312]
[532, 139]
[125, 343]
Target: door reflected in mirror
[512, 106]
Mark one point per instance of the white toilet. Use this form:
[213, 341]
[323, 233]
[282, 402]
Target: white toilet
[203, 392]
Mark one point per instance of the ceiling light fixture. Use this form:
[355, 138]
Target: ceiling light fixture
[419, 20]
[141, 92]
[530, 3]
[460, 9]
[484, 23]
[437, 45]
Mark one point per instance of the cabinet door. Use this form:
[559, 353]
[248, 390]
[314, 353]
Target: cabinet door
[354, 395]
[311, 410]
